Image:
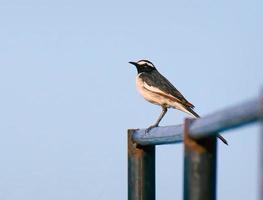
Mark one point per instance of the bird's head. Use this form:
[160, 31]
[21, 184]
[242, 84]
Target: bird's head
[143, 66]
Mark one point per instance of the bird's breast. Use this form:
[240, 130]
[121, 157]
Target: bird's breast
[148, 94]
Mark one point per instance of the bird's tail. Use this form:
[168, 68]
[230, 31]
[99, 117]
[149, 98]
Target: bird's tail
[194, 114]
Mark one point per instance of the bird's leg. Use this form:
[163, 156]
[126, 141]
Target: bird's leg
[164, 110]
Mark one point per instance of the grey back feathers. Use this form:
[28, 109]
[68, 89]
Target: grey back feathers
[155, 79]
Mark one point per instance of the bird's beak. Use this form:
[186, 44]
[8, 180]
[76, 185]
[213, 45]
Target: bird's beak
[133, 63]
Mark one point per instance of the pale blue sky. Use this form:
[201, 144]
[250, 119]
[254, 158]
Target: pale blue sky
[68, 93]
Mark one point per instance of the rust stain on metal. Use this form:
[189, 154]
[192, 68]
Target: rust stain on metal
[189, 142]
[133, 148]
[199, 166]
[141, 170]
[198, 145]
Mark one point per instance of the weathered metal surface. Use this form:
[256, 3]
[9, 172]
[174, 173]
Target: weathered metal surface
[226, 119]
[199, 166]
[159, 135]
[141, 171]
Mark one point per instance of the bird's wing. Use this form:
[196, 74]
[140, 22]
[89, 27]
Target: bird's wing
[157, 83]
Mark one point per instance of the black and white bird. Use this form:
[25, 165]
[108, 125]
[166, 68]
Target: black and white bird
[156, 89]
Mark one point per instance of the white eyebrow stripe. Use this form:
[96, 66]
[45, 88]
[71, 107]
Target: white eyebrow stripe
[142, 62]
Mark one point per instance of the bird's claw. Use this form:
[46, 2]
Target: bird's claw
[147, 131]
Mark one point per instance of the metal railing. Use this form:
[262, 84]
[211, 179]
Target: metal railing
[200, 151]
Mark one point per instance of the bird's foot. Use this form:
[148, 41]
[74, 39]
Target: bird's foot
[147, 131]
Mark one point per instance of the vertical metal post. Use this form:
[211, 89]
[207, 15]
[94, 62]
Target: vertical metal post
[141, 171]
[261, 147]
[199, 166]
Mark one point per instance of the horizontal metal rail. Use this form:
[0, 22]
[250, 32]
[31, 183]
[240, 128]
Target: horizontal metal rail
[226, 119]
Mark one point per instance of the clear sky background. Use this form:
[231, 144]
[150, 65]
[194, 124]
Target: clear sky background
[68, 93]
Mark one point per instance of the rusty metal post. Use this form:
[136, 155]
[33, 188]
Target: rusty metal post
[199, 166]
[141, 171]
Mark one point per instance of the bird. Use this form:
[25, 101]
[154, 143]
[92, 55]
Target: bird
[156, 89]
